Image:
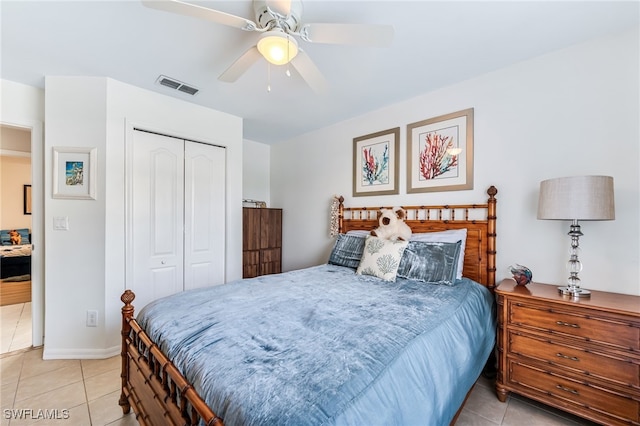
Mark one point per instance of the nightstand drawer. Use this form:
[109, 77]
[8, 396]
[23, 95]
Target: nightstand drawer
[574, 392]
[584, 325]
[583, 361]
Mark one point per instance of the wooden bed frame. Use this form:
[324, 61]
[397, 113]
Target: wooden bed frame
[160, 395]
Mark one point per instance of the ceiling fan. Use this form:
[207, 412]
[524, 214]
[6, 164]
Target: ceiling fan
[279, 24]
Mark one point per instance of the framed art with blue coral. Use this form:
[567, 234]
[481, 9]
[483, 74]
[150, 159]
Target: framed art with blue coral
[74, 172]
[375, 163]
[440, 153]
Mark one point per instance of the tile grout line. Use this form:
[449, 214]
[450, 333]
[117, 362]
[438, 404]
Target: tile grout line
[13, 333]
[15, 393]
[13, 338]
[86, 396]
[15, 330]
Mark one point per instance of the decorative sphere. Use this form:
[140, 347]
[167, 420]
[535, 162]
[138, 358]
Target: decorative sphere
[521, 274]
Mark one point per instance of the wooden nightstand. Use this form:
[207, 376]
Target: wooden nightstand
[578, 355]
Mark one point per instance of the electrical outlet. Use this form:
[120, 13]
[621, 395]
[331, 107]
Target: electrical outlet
[92, 318]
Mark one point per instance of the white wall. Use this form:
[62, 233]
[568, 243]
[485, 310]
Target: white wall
[85, 266]
[15, 172]
[256, 160]
[571, 112]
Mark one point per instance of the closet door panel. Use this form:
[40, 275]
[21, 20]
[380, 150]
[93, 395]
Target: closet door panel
[158, 216]
[204, 205]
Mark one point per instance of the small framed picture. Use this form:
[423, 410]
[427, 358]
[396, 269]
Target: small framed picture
[440, 153]
[26, 199]
[74, 173]
[375, 163]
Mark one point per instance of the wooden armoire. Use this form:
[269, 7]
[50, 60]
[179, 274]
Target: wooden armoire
[261, 241]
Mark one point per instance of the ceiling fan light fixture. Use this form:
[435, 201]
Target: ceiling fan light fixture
[277, 47]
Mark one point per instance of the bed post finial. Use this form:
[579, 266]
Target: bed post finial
[127, 313]
[491, 238]
[127, 297]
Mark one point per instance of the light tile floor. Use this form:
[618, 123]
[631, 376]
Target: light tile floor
[15, 331]
[484, 409]
[76, 392]
[90, 389]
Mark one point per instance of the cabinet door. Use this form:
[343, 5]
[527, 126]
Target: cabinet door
[155, 268]
[250, 229]
[204, 221]
[270, 241]
[250, 263]
[270, 261]
[270, 228]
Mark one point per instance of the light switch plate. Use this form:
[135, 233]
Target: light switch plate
[61, 223]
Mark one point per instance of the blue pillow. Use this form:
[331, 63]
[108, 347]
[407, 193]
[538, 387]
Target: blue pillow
[347, 251]
[5, 239]
[431, 262]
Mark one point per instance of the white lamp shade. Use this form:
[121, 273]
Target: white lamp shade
[277, 47]
[577, 198]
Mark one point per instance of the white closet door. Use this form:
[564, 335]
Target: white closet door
[157, 216]
[204, 206]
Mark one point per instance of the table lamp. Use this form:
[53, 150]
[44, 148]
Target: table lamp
[576, 198]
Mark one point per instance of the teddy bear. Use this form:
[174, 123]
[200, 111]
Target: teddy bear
[15, 237]
[392, 226]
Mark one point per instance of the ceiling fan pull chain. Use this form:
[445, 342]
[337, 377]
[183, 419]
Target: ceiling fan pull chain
[268, 77]
[288, 71]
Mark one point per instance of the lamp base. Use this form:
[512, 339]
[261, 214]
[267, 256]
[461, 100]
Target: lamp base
[574, 292]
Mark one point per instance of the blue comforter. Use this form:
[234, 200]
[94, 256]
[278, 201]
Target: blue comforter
[324, 346]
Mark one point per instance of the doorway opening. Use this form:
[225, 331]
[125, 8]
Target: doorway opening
[15, 238]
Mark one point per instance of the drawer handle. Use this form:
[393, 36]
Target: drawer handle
[572, 391]
[572, 358]
[567, 324]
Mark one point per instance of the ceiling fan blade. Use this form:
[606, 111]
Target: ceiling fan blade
[188, 9]
[241, 65]
[351, 34]
[309, 72]
[281, 7]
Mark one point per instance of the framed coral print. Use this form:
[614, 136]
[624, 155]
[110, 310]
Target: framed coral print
[440, 153]
[375, 163]
[74, 173]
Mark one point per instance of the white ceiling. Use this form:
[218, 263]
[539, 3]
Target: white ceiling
[437, 43]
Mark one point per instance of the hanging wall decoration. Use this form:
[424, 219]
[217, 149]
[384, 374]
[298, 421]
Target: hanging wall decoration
[375, 163]
[74, 173]
[440, 153]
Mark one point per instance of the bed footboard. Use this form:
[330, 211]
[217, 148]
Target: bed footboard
[151, 384]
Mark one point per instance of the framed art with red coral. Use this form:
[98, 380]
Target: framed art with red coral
[440, 153]
[375, 163]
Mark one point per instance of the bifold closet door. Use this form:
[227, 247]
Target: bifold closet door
[157, 263]
[177, 216]
[204, 207]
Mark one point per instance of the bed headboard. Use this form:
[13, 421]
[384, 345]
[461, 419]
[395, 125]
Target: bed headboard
[479, 219]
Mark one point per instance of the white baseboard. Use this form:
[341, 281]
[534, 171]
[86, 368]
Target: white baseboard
[80, 353]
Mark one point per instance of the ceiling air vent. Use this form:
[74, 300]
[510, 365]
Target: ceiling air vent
[177, 85]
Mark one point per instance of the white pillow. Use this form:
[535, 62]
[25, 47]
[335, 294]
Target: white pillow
[381, 258]
[448, 236]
